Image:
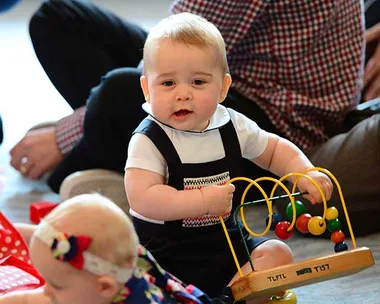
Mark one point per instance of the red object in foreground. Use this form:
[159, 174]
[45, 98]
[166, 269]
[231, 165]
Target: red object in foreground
[39, 210]
[302, 222]
[16, 275]
[281, 230]
[11, 242]
[16, 272]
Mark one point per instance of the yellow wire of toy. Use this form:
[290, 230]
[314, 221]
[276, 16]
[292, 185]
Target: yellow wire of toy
[291, 197]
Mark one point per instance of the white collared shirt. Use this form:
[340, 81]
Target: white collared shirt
[197, 147]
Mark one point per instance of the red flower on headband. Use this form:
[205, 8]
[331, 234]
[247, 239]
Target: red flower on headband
[70, 248]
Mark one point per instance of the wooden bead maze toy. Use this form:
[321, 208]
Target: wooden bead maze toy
[270, 281]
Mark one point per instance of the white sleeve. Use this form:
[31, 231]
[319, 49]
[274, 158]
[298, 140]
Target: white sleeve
[253, 140]
[143, 154]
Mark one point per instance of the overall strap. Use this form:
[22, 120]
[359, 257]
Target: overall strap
[232, 149]
[235, 162]
[160, 139]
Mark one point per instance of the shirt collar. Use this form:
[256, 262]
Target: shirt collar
[220, 118]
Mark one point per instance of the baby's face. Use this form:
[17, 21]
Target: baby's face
[64, 284]
[183, 84]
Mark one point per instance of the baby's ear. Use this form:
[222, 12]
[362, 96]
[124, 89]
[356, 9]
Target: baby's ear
[225, 87]
[107, 287]
[144, 87]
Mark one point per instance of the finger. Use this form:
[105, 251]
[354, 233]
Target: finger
[31, 167]
[373, 33]
[373, 90]
[23, 170]
[232, 188]
[17, 154]
[25, 167]
[322, 182]
[36, 171]
[372, 67]
[310, 198]
[326, 191]
[330, 188]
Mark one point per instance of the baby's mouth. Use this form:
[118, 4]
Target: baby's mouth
[181, 113]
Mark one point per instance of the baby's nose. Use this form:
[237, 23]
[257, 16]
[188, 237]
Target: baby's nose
[183, 94]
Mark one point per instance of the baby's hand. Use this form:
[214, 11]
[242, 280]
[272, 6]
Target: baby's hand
[217, 200]
[313, 195]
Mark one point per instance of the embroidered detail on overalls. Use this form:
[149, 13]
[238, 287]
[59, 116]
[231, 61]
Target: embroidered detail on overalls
[200, 182]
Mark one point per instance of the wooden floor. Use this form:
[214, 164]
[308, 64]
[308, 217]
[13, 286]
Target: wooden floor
[27, 98]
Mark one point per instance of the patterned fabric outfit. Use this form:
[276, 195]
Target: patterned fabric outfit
[150, 284]
[195, 249]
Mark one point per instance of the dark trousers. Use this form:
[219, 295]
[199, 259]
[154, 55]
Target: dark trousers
[90, 55]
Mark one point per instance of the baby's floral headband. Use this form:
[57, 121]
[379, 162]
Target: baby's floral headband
[73, 250]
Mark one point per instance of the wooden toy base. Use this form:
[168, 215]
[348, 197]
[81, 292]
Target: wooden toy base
[268, 282]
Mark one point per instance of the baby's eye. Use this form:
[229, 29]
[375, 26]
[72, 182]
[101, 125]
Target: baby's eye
[168, 83]
[198, 82]
[55, 286]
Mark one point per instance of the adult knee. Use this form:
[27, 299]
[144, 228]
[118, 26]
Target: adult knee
[114, 110]
[119, 90]
[54, 16]
[45, 15]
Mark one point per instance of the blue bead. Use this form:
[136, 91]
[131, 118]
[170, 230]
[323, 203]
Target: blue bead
[339, 247]
[276, 218]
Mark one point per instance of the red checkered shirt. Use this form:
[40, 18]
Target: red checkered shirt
[69, 130]
[300, 61]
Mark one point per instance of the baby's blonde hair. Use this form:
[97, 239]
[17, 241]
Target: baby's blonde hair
[188, 29]
[113, 236]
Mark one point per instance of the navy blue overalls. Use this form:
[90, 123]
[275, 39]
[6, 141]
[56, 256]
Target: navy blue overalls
[196, 250]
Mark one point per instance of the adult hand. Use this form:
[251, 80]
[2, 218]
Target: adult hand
[372, 68]
[36, 153]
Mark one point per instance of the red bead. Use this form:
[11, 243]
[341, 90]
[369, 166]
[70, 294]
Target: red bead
[39, 210]
[302, 221]
[337, 236]
[281, 230]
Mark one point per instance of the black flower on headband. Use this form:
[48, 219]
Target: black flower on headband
[70, 248]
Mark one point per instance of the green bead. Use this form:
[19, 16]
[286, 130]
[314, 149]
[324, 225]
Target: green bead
[300, 209]
[334, 225]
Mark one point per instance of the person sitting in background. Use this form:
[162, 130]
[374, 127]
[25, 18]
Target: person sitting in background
[296, 76]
